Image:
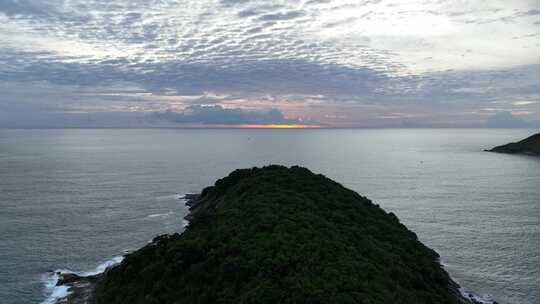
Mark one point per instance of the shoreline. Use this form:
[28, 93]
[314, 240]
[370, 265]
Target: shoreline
[79, 288]
[67, 287]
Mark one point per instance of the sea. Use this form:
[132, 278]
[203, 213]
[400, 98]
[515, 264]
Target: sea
[78, 199]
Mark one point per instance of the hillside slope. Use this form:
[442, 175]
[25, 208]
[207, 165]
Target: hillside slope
[530, 145]
[282, 235]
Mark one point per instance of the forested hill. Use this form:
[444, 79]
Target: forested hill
[281, 235]
[530, 145]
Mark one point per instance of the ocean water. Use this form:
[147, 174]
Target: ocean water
[74, 199]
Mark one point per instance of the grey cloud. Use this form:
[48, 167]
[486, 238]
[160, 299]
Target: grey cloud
[62, 120]
[507, 18]
[254, 30]
[116, 61]
[247, 77]
[343, 21]
[281, 16]
[206, 100]
[168, 48]
[248, 13]
[234, 2]
[253, 79]
[45, 105]
[480, 87]
[505, 119]
[25, 7]
[318, 2]
[223, 116]
[533, 12]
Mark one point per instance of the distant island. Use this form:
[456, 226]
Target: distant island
[530, 146]
[278, 235]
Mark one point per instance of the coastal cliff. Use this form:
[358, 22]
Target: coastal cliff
[530, 146]
[281, 235]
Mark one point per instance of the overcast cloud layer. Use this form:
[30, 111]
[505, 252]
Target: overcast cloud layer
[331, 62]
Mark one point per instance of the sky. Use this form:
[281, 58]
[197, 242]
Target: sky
[234, 63]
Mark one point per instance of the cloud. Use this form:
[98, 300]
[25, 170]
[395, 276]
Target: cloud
[217, 115]
[533, 12]
[508, 120]
[346, 51]
[24, 7]
[281, 16]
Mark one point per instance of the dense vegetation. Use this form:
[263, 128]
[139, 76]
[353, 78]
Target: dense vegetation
[282, 235]
[529, 145]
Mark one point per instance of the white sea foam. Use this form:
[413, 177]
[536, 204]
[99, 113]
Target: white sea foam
[103, 266]
[56, 293]
[169, 197]
[160, 215]
[185, 222]
[485, 299]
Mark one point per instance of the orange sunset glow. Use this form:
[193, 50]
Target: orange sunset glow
[276, 126]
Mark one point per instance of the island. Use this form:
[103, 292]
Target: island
[529, 146]
[278, 235]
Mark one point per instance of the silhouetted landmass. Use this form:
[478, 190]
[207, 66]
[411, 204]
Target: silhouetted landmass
[529, 145]
[281, 235]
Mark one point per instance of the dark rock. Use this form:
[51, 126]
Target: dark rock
[67, 278]
[81, 288]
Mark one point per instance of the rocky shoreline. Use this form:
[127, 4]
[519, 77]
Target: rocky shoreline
[81, 288]
[193, 201]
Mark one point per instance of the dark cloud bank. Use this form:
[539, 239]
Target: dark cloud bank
[507, 120]
[218, 115]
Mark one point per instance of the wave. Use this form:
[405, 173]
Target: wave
[185, 223]
[176, 196]
[474, 298]
[169, 197]
[160, 215]
[486, 299]
[56, 293]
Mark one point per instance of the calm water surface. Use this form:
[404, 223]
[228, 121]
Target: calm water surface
[72, 199]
